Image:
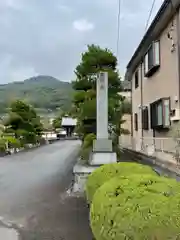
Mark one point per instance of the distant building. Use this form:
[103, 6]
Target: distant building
[67, 121]
[69, 125]
[126, 89]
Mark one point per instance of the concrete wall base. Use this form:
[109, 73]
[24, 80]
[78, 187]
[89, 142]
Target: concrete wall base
[81, 173]
[8, 234]
[102, 145]
[101, 158]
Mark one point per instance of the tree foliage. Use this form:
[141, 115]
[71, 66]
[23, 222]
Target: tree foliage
[24, 122]
[94, 60]
[127, 107]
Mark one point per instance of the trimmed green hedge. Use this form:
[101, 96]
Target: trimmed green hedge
[106, 172]
[137, 207]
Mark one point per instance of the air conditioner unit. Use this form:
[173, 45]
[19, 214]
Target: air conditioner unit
[176, 115]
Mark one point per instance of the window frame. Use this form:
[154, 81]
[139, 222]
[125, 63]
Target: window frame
[145, 118]
[136, 122]
[136, 79]
[150, 70]
[154, 114]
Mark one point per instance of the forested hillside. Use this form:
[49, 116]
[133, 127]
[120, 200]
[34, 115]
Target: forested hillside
[45, 93]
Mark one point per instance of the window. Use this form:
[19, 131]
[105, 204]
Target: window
[136, 122]
[152, 59]
[136, 79]
[159, 109]
[157, 53]
[145, 118]
[160, 113]
[167, 112]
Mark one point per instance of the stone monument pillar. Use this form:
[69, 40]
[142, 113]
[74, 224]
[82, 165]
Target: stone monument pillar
[102, 146]
[102, 106]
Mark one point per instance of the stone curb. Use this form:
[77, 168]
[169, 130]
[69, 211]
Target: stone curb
[8, 234]
[8, 230]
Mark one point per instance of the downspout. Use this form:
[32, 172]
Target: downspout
[141, 82]
[131, 80]
[178, 49]
[142, 104]
[131, 108]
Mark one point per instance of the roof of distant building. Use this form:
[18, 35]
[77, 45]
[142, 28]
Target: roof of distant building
[67, 121]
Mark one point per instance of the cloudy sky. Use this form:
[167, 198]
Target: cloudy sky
[48, 36]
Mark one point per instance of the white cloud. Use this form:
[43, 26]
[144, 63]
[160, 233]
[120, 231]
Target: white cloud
[83, 25]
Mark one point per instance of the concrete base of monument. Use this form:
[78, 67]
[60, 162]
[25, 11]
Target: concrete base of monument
[81, 173]
[102, 145]
[101, 158]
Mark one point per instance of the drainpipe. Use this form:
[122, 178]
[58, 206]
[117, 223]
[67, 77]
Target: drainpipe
[131, 109]
[178, 48]
[142, 131]
[130, 79]
[141, 90]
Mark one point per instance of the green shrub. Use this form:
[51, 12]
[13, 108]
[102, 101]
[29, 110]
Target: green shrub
[106, 172]
[88, 140]
[137, 207]
[86, 147]
[13, 142]
[2, 145]
[84, 154]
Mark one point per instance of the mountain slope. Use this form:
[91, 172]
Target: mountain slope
[43, 92]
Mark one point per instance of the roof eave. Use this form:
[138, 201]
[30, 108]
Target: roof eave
[158, 19]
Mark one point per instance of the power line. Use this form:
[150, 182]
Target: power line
[150, 14]
[118, 26]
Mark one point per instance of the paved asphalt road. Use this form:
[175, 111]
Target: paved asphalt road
[33, 193]
[31, 180]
